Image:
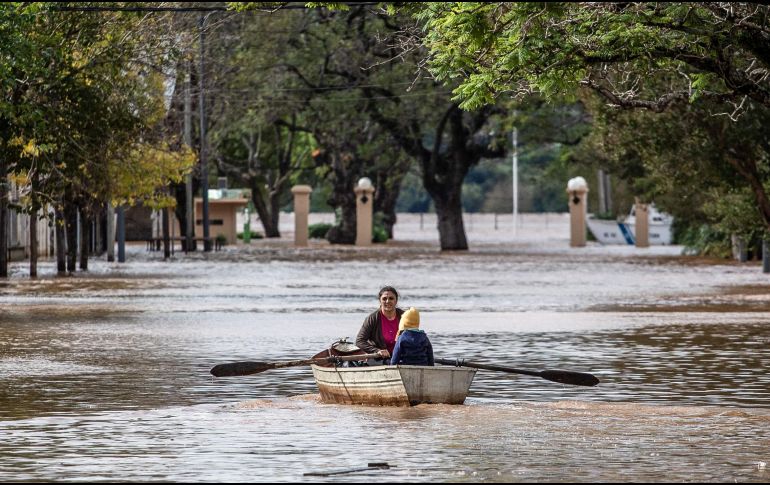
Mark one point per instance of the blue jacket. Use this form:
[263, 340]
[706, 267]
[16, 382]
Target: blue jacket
[412, 348]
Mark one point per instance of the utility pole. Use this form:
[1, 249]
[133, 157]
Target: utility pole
[190, 224]
[204, 166]
[515, 181]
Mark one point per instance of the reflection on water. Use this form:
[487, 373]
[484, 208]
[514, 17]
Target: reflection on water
[105, 377]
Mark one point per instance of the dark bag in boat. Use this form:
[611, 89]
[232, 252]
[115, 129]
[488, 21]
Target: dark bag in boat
[341, 348]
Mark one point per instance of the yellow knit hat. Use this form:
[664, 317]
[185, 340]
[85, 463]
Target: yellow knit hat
[410, 319]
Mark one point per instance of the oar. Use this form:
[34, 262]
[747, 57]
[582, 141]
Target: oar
[561, 376]
[247, 368]
[375, 466]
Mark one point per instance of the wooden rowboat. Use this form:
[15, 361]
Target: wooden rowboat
[393, 385]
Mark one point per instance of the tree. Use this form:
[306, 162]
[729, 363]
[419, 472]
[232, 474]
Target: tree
[423, 123]
[651, 56]
[702, 49]
[685, 159]
[81, 98]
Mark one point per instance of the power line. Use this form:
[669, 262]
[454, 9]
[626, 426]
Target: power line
[287, 6]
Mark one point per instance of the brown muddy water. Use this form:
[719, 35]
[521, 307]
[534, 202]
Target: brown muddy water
[105, 376]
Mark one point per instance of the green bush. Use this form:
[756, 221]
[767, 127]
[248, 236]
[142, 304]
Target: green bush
[318, 231]
[705, 240]
[254, 235]
[379, 234]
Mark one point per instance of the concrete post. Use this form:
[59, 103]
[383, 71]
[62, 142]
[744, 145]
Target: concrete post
[578, 195]
[642, 224]
[301, 211]
[364, 212]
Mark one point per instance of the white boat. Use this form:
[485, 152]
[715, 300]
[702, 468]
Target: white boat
[624, 231]
[393, 385]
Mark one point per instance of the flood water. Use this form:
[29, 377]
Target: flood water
[104, 376]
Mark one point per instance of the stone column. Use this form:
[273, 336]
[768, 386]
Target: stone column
[641, 224]
[578, 194]
[301, 211]
[364, 212]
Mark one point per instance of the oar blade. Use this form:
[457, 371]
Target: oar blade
[240, 368]
[569, 377]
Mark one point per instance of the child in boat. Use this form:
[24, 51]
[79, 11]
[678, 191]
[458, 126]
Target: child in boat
[412, 344]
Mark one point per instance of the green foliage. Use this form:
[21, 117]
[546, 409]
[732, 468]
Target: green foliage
[319, 230]
[77, 101]
[734, 212]
[555, 47]
[379, 234]
[413, 196]
[254, 235]
[706, 240]
[149, 168]
[685, 161]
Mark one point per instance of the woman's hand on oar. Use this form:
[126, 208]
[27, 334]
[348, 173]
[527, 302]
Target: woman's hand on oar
[561, 376]
[248, 368]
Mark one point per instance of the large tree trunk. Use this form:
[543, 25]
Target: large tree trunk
[345, 231]
[449, 211]
[180, 194]
[456, 148]
[269, 223]
[346, 170]
[275, 210]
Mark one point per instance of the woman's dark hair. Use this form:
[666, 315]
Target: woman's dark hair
[387, 288]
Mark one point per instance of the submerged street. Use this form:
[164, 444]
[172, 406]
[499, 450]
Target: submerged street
[105, 375]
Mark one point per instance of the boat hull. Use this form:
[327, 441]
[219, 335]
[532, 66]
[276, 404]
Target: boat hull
[612, 232]
[390, 385]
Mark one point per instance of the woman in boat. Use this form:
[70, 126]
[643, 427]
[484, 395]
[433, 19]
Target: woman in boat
[413, 346]
[378, 332]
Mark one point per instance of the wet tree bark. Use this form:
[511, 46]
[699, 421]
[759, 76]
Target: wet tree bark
[180, 194]
[459, 144]
[85, 238]
[166, 233]
[267, 215]
[71, 224]
[449, 212]
[61, 244]
[346, 169]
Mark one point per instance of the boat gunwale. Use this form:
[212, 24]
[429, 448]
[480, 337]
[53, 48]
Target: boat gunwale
[399, 367]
